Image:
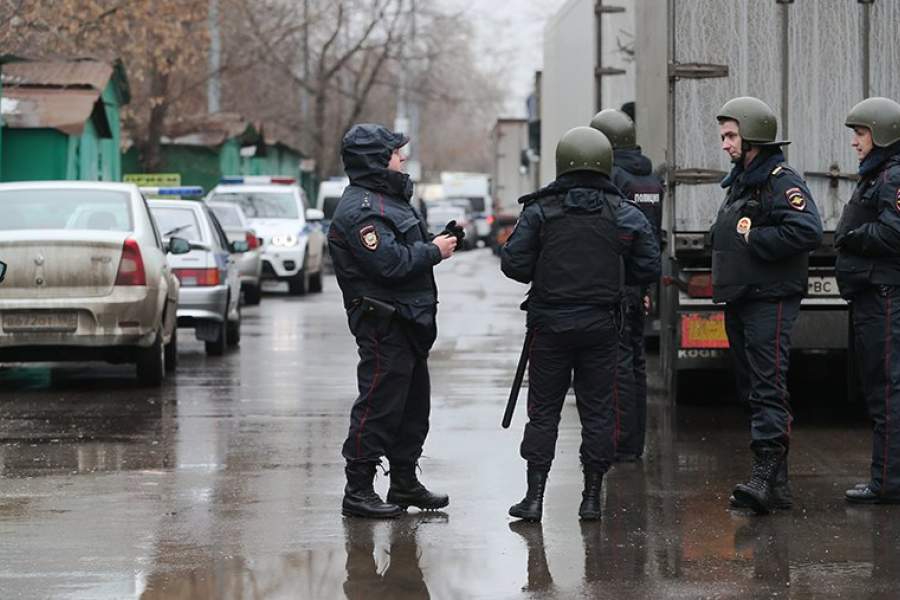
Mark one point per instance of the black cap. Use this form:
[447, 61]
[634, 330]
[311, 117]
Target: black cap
[373, 135]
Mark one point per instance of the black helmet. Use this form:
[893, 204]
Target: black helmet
[617, 126]
[881, 116]
[584, 149]
[756, 121]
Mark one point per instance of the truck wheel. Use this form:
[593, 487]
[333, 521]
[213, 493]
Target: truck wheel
[252, 295]
[315, 282]
[171, 357]
[151, 363]
[217, 347]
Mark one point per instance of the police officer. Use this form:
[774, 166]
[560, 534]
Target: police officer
[633, 174]
[761, 241]
[383, 258]
[578, 242]
[868, 274]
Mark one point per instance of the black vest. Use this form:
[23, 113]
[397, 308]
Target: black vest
[736, 272]
[854, 272]
[644, 190]
[581, 259]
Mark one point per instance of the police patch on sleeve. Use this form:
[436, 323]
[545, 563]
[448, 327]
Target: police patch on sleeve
[897, 203]
[796, 198]
[369, 237]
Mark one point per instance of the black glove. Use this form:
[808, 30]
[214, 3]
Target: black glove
[456, 231]
[752, 209]
[850, 241]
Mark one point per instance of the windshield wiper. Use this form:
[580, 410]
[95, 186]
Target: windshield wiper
[176, 230]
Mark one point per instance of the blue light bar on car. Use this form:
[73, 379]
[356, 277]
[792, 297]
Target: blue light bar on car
[256, 179]
[190, 191]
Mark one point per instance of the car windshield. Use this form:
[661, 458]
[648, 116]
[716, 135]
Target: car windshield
[262, 205]
[93, 210]
[329, 205]
[228, 216]
[177, 222]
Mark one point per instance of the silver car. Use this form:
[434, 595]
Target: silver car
[210, 283]
[293, 243]
[237, 228]
[87, 277]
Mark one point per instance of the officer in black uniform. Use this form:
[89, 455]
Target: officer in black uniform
[383, 258]
[868, 274]
[633, 174]
[578, 242]
[761, 242]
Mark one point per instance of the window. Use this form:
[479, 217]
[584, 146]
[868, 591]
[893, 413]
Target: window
[178, 222]
[262, 205]
[92, 210]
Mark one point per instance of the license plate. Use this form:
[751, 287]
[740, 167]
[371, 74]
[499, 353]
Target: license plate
[703, 330]
[822, 286]
[40, 321]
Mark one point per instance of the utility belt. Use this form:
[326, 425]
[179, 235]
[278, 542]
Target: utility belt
[384, 315]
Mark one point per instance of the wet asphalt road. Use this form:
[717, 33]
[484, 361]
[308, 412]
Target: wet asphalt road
[226, 483]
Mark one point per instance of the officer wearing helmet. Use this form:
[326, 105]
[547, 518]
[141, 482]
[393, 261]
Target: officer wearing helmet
[868, 274]
[761, 240]
[384, 259]
[578, 242]
[633, 174]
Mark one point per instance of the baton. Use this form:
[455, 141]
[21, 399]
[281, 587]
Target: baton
[517, 381]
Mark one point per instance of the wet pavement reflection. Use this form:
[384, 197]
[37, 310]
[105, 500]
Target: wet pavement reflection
[226, 482]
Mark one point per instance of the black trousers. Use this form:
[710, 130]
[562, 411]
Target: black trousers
[632, 359]
[553, 358]
[759, 335]
[876, 325]
[390, 415]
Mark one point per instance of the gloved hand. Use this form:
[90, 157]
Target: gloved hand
[850, 241]
[456, 231]
[752, 209]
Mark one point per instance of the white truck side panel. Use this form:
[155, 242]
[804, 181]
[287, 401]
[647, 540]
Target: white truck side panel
[510, 138]
[568, 89]
[617, 38]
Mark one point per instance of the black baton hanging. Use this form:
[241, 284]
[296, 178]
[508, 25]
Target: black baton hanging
[517, 381]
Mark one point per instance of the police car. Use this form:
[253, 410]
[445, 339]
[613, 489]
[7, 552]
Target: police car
[290, 233]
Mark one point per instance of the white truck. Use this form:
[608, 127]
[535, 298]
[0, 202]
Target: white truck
[682, 59]
[511, 176]
[474, 187]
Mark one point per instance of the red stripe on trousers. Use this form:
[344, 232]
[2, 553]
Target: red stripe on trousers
[362, 424]
[887, 389]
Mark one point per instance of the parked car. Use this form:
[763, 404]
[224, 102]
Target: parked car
[237, 227]
[292, 240]
[441, 213]
[88, 278]
[210, 283]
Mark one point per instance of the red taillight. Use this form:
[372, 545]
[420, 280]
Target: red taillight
[197, 277]
[699, 285]
[490, 219]
[131, 267]
[252, 241]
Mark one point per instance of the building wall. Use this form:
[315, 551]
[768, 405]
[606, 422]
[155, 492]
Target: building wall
[34, 154]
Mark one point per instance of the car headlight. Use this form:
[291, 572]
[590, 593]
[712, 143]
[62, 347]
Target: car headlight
[287, 240]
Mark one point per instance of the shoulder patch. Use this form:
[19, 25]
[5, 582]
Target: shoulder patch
[368, 235]
[795, 198]
[897, 203]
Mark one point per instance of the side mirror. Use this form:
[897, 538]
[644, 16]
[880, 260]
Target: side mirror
[239, 246]
[314, 214]
[179, 246]
[2, 270]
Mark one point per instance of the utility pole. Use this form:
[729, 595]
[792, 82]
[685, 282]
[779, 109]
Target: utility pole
[407, 120]
[213, 86]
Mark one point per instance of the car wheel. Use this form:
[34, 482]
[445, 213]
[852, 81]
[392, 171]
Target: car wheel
[217, 347]
[315, 282]
[171, 357]
[234, 330]
[151, 363]
[252, 295]
[299, 283]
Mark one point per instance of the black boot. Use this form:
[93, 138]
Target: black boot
[360, 499]
[590, 509]
[757, 493]
[406, 490]
[782, 498]
[532, 505]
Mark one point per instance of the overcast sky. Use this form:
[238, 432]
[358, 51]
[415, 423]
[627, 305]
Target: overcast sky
[511, 35]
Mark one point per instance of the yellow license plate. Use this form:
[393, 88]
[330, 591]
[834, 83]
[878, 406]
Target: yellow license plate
[703, 330]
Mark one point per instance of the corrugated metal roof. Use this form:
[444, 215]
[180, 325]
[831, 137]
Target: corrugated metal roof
[210, 130]
[82, 73]
[64, 109]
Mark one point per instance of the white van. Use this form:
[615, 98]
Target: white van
[329, 195]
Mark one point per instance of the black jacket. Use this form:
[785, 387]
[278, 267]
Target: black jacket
[379, 245]
[579, 194]
[785, 228]
[633, 175]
